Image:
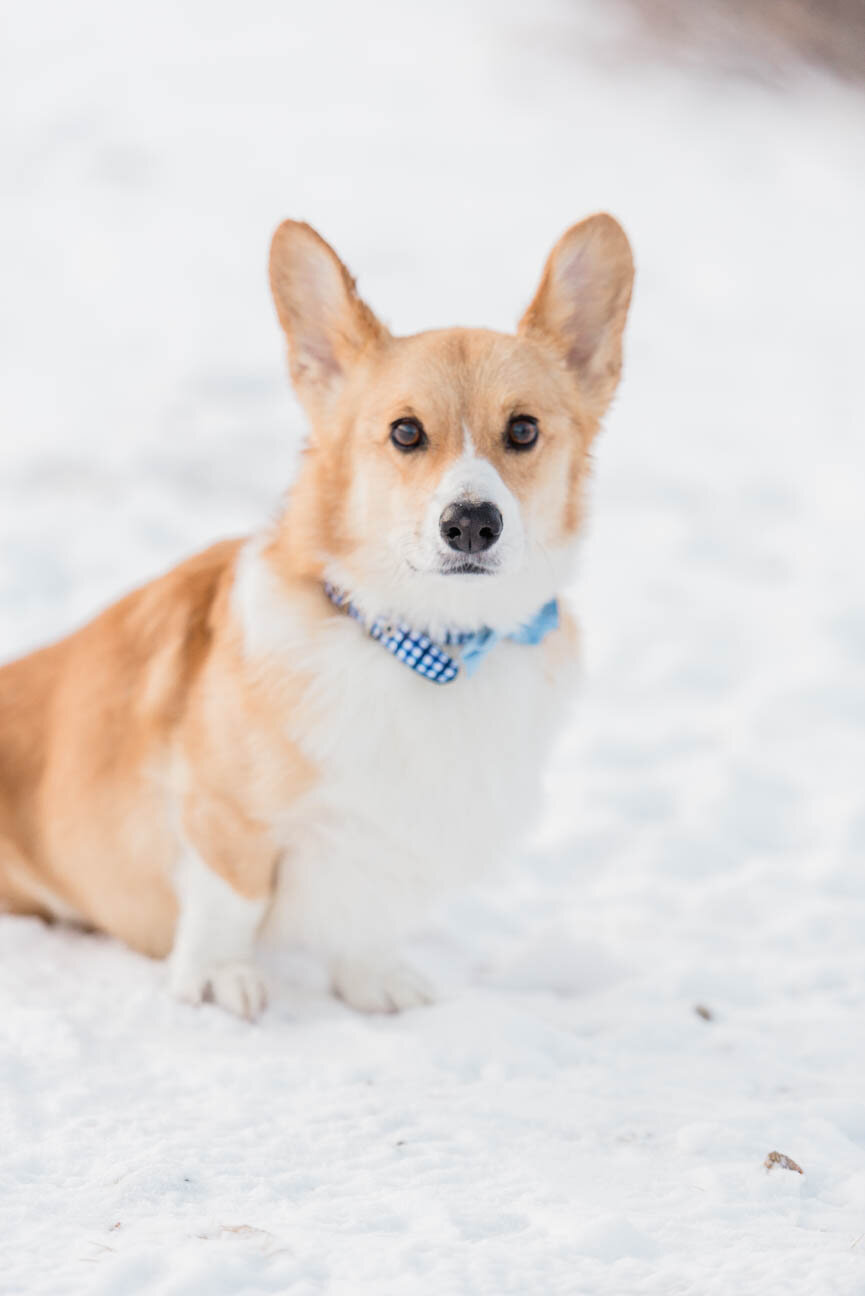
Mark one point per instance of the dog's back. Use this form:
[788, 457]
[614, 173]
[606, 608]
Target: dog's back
[85, 731]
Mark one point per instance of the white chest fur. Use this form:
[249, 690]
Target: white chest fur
[421, 786]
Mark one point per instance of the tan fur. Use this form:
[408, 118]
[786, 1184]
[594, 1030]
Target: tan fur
[152, 724]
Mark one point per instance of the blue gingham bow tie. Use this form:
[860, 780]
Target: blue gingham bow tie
[429, 659]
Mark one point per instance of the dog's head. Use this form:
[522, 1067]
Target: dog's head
[444, 474]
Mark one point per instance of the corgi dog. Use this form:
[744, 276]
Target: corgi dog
[321, 728]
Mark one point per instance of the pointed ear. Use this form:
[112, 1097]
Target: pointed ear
[582, 303]
[326, 323]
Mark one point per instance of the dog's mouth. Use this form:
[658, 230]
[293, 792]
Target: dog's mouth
[467, 568]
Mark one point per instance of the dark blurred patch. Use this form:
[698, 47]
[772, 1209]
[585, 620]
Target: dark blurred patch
[760, 38]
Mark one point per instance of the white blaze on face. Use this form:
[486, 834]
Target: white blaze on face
[473, 478]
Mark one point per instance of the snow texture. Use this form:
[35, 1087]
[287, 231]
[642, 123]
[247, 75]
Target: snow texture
[563, 1120]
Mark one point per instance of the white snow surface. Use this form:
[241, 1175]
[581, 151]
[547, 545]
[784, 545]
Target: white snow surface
[563, 1120]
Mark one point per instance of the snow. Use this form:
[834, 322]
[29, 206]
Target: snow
[563, 1120]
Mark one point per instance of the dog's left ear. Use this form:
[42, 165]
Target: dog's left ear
[325, 321]
[582, 303]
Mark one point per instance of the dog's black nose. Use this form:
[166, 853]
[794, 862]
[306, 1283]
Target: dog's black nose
[470, 527]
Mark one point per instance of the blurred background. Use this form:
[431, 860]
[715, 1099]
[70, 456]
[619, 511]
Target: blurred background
[706, 823]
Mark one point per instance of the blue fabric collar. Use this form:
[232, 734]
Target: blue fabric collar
[417, 651]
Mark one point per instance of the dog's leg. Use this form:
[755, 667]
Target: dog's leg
[214, 941]
[348, 895]
[375, 983]
[217, 926]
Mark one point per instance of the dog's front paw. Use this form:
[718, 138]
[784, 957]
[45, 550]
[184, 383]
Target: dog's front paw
[379, 988]
[236, 987]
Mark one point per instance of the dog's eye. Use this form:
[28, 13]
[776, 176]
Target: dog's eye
[407, 434]
[522, 432]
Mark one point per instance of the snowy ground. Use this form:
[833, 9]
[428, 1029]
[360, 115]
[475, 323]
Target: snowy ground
[563, 1121]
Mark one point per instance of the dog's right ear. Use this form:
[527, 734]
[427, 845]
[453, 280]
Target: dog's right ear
[326, 323]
